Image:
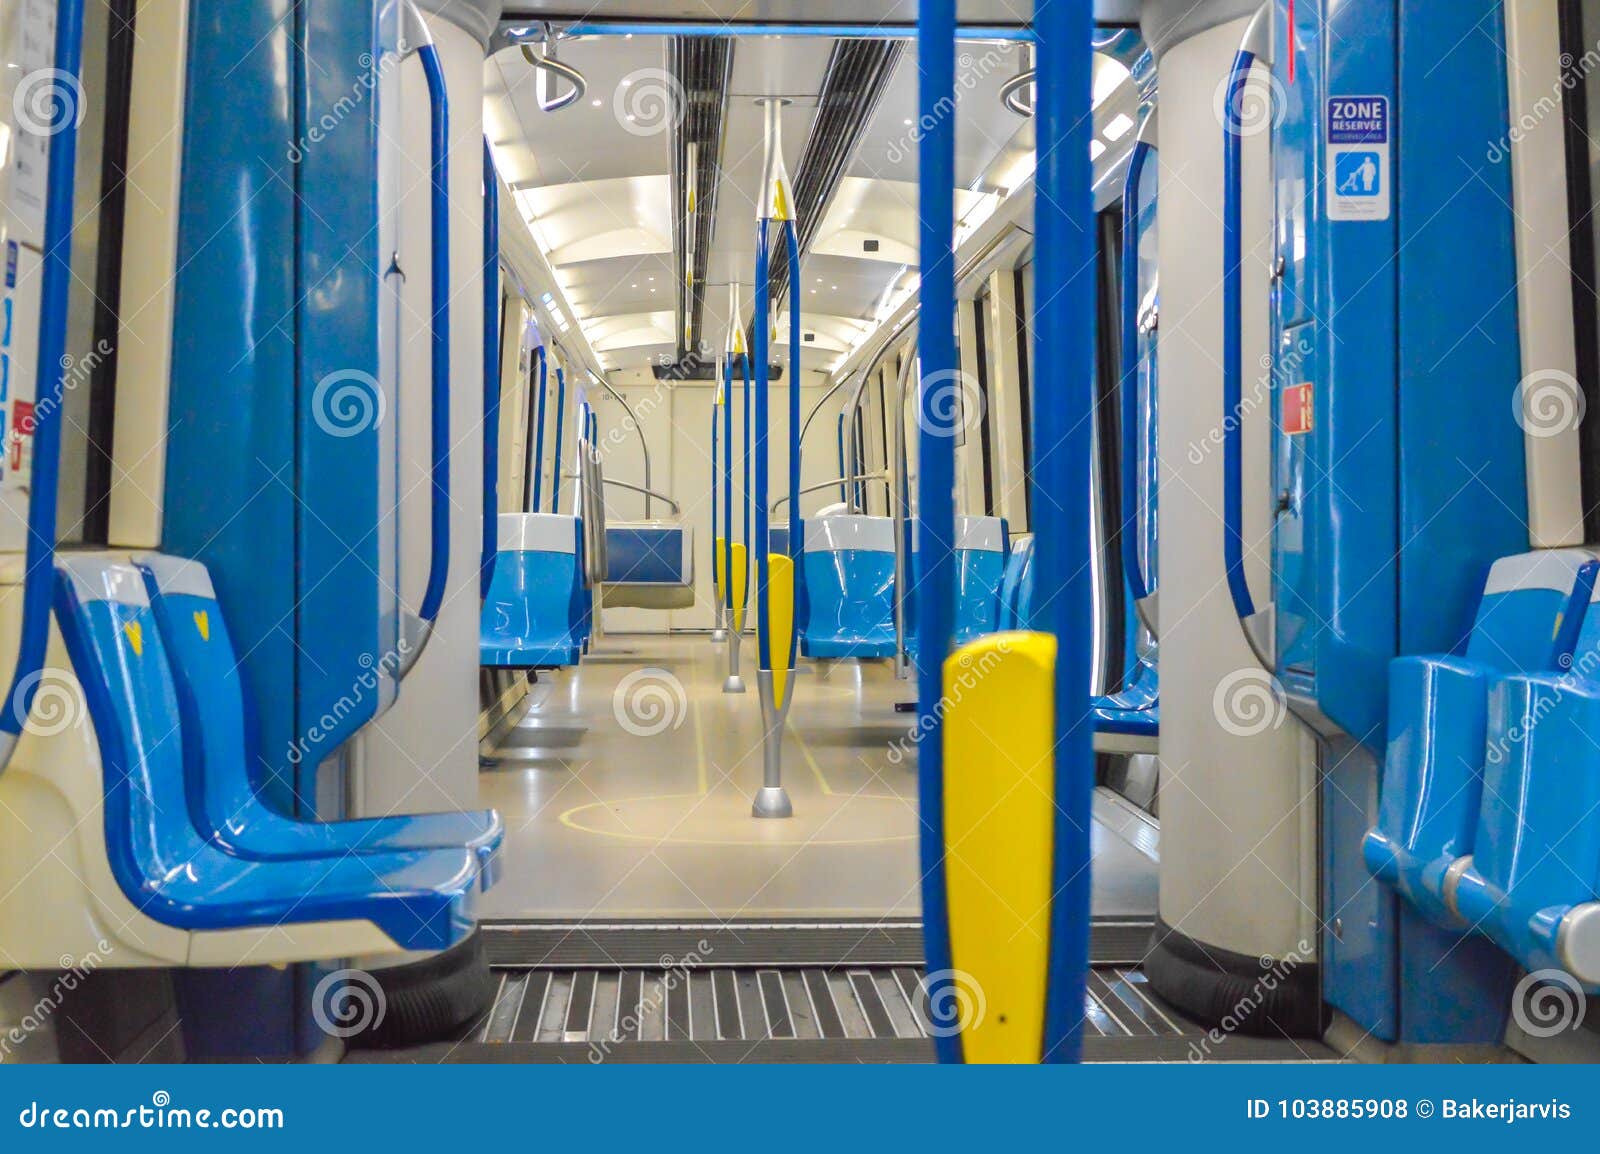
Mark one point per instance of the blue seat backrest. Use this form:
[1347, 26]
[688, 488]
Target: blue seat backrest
[651, 554]
[205, 673]
[1532, 610]
[117, 654]
[980, 572]
[848, 562]
[1011, 583]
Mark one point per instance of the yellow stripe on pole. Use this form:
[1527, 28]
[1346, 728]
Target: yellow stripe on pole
[719, 565]
[780, 629]
[741, 582]
[999, 812]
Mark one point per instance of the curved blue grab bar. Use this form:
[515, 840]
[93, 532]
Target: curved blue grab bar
[763, 320]
[744, 361]
[716, 470]
[1233, 339]
[39, 574]
[536, 466]
[1132, 504]
[491, 370]
[561, 413]
[797, 539]
[439, 155]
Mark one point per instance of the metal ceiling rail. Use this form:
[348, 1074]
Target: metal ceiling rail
[517, 31]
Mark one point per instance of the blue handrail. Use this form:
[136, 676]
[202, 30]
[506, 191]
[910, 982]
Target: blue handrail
[1233, 339]
[1132, 498]
[727, 490]
[749, 392]
[935, 579]
[716, 469]
[796, 537]
[439, 153]
[491, 370]
[1063, 447]
[763, 319]
[538, 434]
[561, 413]
[38, 575]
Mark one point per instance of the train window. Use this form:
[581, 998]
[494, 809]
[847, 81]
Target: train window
[93, 320]
[1108, 518]
[1024, 313]
[1580, 31]
[985, 426]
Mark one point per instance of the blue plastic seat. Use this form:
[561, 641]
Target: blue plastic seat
[1530, 882]
[420, 900]
[1527, 622]
[848, 587]
[1016, 586]
[537, 612]
[1134, 712]
[981, 553]
[1128, 721]
[223, 801]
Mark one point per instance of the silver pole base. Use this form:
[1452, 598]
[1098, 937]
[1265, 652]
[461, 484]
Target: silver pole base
[719, 635]
[734, 684]
[772, 801]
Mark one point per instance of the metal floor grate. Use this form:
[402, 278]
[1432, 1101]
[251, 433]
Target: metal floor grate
[732, 1004]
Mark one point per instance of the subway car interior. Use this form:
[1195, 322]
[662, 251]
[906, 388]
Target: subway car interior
[801, 532]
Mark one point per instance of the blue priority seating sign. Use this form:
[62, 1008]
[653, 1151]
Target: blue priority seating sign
[1359, 140]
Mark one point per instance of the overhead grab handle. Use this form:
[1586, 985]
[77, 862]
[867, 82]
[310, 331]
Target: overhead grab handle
[1017, 94]
[1257, 623]
[549, 72]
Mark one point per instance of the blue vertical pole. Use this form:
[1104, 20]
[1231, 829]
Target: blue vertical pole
[796, 537]
[491, 370]
[749, 481]
[561, 412]
[538, 433]
[1064, 342]
[936, 58]
[763, 322]
[727, 489]
[716, 469]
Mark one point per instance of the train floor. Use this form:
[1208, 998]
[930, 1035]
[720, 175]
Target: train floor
[626, 785]
[644, 916]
